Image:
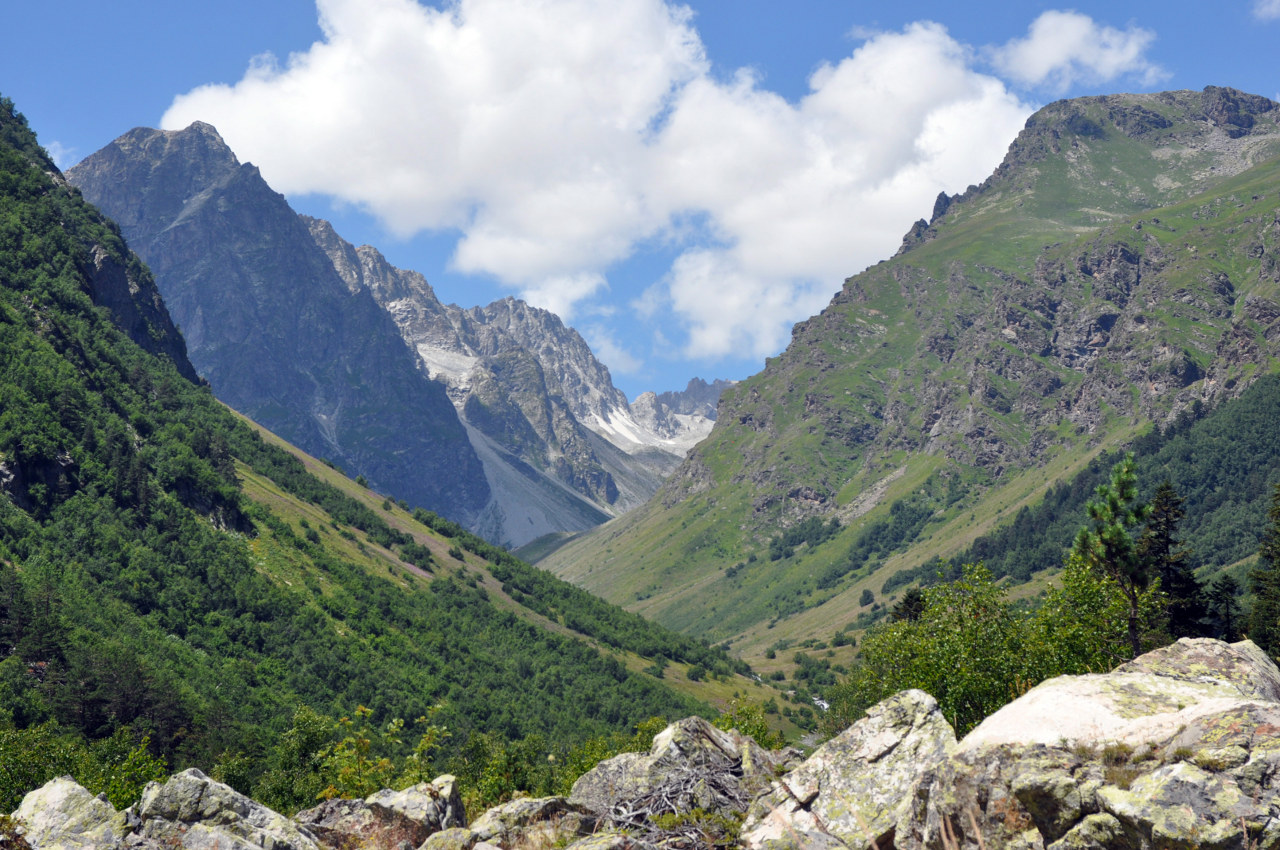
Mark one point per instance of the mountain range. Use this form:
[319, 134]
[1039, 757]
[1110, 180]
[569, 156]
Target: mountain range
[1120, 268]
[177, 578]
[357, 361]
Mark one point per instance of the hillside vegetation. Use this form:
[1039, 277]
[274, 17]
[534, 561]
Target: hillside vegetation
[1118, 269]
[179, 588]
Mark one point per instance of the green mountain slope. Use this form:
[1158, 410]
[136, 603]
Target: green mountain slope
[169, 569]
[1119, 267]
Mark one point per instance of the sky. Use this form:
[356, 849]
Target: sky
[679, 182]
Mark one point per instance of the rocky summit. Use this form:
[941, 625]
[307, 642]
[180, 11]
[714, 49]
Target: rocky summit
[271, 325]
[1179, 748]
[562, 448]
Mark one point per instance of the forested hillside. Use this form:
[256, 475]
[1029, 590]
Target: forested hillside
[174, 585]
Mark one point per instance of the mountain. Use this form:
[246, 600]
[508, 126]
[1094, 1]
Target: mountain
[563, 449]
[541, 441]
[1119, 269]
[271, 325]
[174, 575]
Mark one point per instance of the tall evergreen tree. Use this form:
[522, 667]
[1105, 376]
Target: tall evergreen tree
[1107, 544]
[1166, 557]
[1264, 618]
[1224, 608]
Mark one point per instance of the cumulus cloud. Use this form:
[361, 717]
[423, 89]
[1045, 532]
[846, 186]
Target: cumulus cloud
[558, 135]
[1065, 48]
[610, 351]
[1267, 10]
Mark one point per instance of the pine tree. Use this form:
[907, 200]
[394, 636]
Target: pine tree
[1224, 608]
[1166, 557]
[1108, 547]
[1264, 617]
[911, 606]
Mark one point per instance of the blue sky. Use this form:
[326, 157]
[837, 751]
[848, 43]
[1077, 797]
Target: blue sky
[681, 182]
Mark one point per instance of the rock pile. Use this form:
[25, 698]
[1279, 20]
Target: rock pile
[1179, 748]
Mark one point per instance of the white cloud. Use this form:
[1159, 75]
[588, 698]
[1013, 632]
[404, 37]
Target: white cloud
[557, 135]
[1266, 10]
[560, 294]
[62, 156]
[607, 348]
[1063, 49]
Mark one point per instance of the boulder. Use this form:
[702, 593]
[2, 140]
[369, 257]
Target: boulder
[1145, 701]
[1179, 748]
[857, 786]
[386, 819]
[453, 838]
[713, 770]
[549, 821]
[61, 815]
[608, 841]
[195, 812]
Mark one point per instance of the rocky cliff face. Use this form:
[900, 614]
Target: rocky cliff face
[271, 325]
[563, 449]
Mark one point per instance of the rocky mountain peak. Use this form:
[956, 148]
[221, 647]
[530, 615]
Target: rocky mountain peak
[271, 324]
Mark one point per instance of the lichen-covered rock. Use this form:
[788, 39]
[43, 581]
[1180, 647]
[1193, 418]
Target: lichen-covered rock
[1095, 832]
[387, 818]
[549, 820]
[684, 748]
[62, 815]
[857, 786]
[195, 812]
[1147, 700]
[454, 838]
[1181, 805]
[607, 841]
[1179, 748]
[438, 802]
[1243, 666]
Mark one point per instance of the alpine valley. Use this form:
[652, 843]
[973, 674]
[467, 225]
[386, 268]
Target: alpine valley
[1117, 277]
[356, 361]
[178, 582]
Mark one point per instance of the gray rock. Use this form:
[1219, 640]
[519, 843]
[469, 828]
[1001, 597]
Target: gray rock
[195, 812]
[454, 838]
[716, 770]
[1145, 701]
[61, 815]
[550, 820]
[1181, 805]
[387, 818]
[857, 786]
[607, 841]
[1095, 832]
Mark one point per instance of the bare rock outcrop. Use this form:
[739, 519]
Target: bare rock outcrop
[387, 818]
[857, 786]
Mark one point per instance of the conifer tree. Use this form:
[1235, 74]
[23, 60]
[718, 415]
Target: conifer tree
[1166, 557]
[1107, 545]
[1264, 618]
[1224, 608]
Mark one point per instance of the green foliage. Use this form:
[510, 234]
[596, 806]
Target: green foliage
[118, 766]
[1223, 606]
[143, 596]
[749, 719]
[1222, 462]
[811, 532]
[1108, 544]
[1264, 617]
[1160, 549]
[974, 651]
